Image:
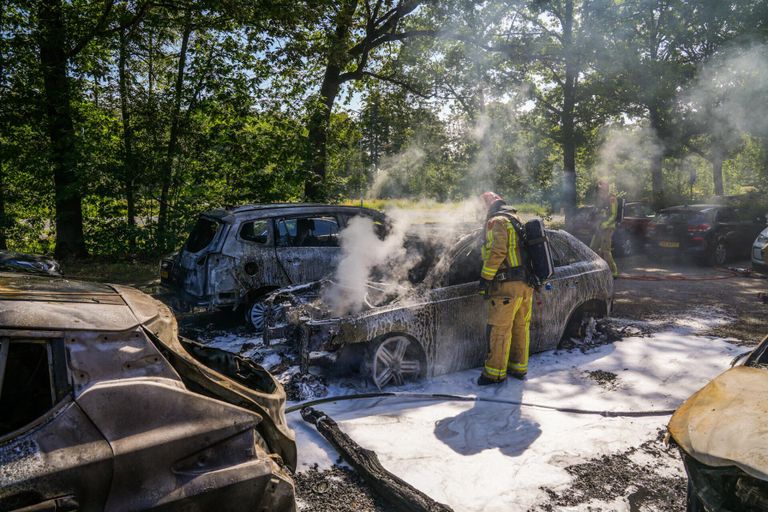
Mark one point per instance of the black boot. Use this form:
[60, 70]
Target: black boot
[517, 375]
[485, 381]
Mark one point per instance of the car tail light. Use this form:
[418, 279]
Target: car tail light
[699, 228]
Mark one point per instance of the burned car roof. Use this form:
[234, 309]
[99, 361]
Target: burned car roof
[229, 214]
[11, 261]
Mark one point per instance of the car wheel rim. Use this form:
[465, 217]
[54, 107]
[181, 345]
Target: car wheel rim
[257, 315]
[392, 364]
[626, 247]
[720, 253]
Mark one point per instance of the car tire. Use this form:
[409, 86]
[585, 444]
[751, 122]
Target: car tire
[718, 256]
[692, 502]
[394, 360]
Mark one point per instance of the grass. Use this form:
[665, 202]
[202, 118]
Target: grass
[140, 274]
[432, 205]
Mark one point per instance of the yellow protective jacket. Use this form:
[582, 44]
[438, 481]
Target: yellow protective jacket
[501, 244]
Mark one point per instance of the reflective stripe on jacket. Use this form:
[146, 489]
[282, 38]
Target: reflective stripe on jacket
[501, 244]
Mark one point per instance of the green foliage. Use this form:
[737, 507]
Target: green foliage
[451, 99]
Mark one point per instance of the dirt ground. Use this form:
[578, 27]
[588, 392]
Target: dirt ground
[683, 287]
[647, 290]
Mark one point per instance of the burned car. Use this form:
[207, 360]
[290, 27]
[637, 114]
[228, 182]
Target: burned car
[29, 263]
[104, 407]
[438, 325]
[720, 432]
[234, 257]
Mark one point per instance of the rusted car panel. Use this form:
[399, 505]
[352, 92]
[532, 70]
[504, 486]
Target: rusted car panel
[123, 416]
[444, 316]
[720, 431]
[236, 255]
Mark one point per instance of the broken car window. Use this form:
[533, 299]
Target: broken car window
[255, 231]
[26, 392]
[308, 232]
[202, 235]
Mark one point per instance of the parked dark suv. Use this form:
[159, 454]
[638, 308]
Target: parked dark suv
[712, 234]
[234, 257]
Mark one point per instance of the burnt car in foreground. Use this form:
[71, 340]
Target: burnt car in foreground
[711, 234]
[235, 256]
[438, 325]
[104, 407]
[722, 438]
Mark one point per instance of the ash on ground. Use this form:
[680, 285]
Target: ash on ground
[647, 476]
[608, 380]
[592, 333]
[338, 489]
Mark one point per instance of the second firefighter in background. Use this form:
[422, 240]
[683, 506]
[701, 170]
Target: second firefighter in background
[504, 282]
[607, 212]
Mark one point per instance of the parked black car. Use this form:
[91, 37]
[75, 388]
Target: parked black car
[710, 233]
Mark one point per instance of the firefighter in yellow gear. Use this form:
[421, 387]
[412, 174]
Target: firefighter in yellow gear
[503, 282]
[607, 209]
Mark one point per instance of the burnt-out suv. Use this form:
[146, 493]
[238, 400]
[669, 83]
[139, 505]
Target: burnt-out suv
[234, 257]
[104, 407]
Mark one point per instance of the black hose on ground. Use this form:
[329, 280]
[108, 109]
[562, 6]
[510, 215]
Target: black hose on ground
[470, 398]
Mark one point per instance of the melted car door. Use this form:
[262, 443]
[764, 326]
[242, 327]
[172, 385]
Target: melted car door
[307, 247]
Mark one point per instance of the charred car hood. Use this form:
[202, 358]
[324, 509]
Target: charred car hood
[723, 424]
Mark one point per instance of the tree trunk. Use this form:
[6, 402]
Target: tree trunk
[173, 141]
[3, 222]
[717, 171]
[657, 162]
[317, 136]
[320, 120]
[70, 241]
[567, 118]
[129, 162]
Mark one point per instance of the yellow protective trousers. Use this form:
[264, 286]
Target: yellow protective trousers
[602, 244]
[509, 332]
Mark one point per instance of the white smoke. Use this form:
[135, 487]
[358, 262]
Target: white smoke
[365, 254]
[625, 156]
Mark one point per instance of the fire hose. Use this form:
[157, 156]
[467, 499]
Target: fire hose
[473, 398]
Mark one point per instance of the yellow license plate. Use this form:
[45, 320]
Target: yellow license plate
[164, 274]
[672, 245]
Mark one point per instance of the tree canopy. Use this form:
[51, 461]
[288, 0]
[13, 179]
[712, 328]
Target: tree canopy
[121, 120]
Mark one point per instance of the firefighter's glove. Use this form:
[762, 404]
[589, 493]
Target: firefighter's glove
[484, 287]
